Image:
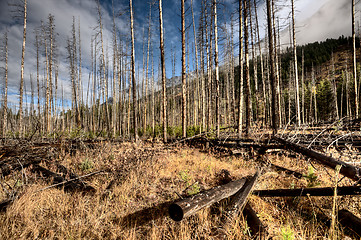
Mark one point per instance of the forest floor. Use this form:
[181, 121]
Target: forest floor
[138, 181]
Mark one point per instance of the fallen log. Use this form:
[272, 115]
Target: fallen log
[301, 192]
[239, 199]
[350, 221]
[253, 222]
[188, 206]
[347, 170]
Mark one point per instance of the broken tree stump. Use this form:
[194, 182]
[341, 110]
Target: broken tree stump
[350, 221]
[301, 192]
[189, 206]
[347, 170]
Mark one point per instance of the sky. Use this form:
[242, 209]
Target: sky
[316, 20]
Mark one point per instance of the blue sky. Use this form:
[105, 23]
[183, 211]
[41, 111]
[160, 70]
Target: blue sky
[316, 20]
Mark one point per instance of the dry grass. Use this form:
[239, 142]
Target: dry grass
[132, 198]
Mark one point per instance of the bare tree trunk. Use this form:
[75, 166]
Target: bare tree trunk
[22, 74]
[163, 73]
[303, 86]
[334, 87]
[5, 86]
[135, 135]
[354, 59]
[298, 109]
[261, 61]
[80, 88]
[184, 99]
[218, 122]
[271, 50]
[147, 69]
[246, 68]
[255, 65]
[197, 70]
[240, 59]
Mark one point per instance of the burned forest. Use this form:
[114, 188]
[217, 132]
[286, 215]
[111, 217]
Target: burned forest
[189, 119]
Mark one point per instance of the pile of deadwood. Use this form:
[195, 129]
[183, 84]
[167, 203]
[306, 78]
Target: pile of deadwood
[240, 189]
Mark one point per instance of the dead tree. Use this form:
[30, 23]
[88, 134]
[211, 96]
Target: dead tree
[354, 58]
[240, 75]
[271, 51]
[184, 98]
[5, 54]
[298, 109]
[134, 90]
[22, 71]
[218, 122]
[162, 58]
[247, 85]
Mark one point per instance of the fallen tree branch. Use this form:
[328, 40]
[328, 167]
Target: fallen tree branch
[70, 180]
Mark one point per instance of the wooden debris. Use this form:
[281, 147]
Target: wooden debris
[347, 170]
[287, 171]
[188, 206]
[239, 199]
[350, 221]
[301, 192]
[57, 179]
[4, 204]
[254, 223]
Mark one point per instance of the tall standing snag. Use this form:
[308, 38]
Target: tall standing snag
[184, 99]
[22, 74]
[271, 51]
[134, 90]
[6, 84]
[354, 58]
[163, 73]
[240, 57]
[298, 110]
[217, 68]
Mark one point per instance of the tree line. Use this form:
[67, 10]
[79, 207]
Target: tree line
[263, 84]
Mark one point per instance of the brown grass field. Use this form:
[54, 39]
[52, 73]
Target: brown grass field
[140, 182]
